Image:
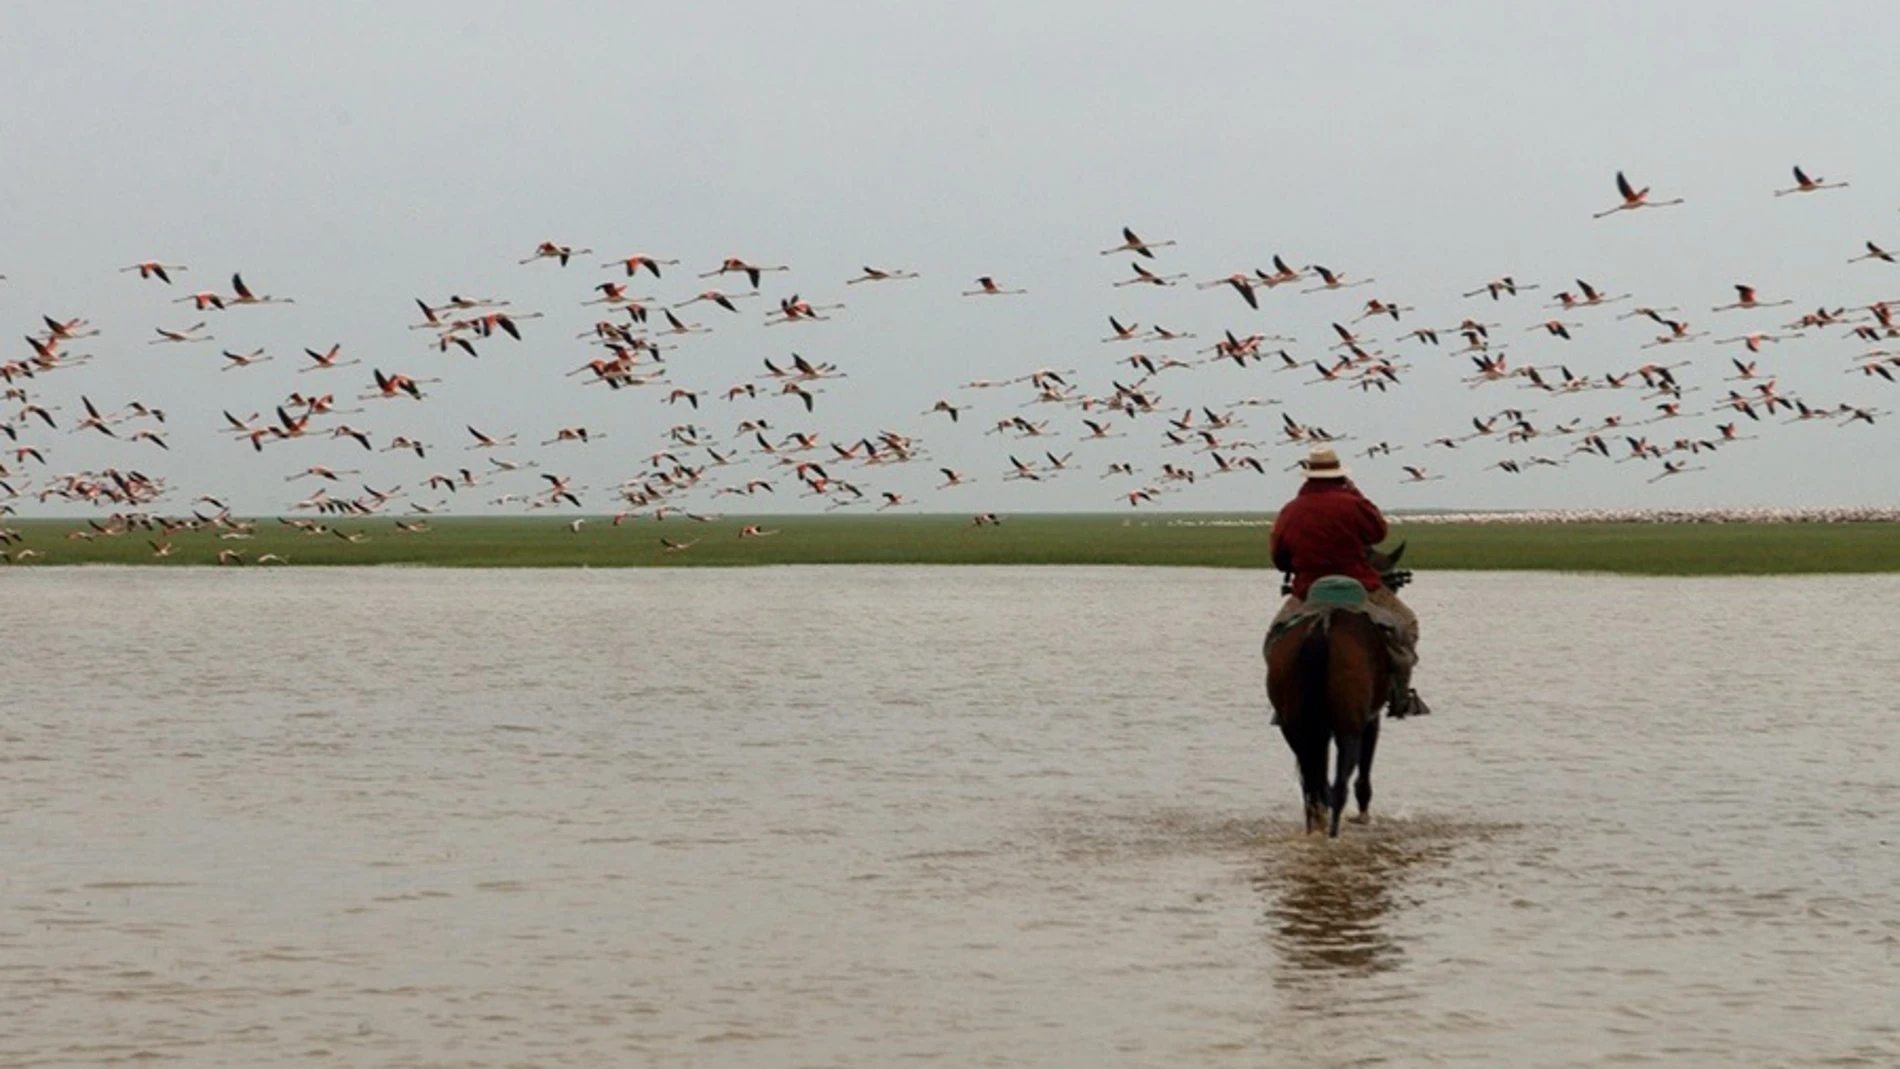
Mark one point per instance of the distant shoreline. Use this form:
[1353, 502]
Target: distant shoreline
[1662, 542]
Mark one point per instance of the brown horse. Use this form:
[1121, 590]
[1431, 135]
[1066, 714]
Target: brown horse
[1327, 677]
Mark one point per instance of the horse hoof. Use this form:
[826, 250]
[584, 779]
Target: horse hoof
[1360, 818]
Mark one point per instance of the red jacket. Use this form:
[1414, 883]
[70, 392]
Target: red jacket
[1325, 530]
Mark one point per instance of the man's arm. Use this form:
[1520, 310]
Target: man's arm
[1375, 525]
[1276, 547]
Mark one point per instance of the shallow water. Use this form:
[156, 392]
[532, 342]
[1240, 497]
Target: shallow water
[968, 816]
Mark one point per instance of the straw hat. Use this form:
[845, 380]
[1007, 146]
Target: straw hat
[1323, 463]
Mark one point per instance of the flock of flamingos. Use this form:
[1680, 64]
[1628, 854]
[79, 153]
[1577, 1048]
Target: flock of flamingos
[1700, 383]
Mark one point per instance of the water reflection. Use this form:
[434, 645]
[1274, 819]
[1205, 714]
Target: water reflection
[1332, 903]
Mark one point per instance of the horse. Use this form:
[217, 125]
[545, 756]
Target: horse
[1328, 677]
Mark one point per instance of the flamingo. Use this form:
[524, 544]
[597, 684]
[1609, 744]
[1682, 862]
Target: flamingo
[1745, 298]
[1874, 252]
[1591, 297]
[634, 263]
[154, 269]
[573, 434]
[1332, 280]
[238, 360]
[792, 310]
[1671, 467]
[1134, 244]
[614, 293]
[873, 274]
[987, 287]
[1634, 198]
[1242, 284]
[1555, 327]
[245, 296]
[68, 329]
[1143, 275]
[548, 250]
[321, 472]
[188, 334]
[202, 300]
[487, 323]
[723, 300]
[751, 271]
[484, 441]
[1500, 286]
[1754, 341]
[1376, 307]
[1804, 184]
[327, 360]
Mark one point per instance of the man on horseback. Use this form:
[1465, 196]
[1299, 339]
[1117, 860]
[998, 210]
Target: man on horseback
[1328, 529]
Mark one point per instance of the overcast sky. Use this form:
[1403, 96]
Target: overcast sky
[359, 156]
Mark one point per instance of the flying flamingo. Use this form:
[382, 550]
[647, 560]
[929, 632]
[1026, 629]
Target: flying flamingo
[1282, 273]
[245, 296]
[987, 287]
[1634, 198]
[872, 274]
[751, 271]
[238, 360]
[154, 269]
[792, 310]
[615, 293]
[1745, 298]
[1143, 275]
[1502, 286]
[188, 334]
[1332, 280]
[1874, 252]
[203, 299]
[1804, 184]
[1591, 297]
[548, 250]
[328, 360]
[723, 300]
[1242, 284]
[1134, 244]
[1376, 307]
[634, 263]
[395, 384]
[1671, 467]
[1754, 341]
[675, 326]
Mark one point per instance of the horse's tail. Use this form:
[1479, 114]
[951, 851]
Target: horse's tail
[1311, 666]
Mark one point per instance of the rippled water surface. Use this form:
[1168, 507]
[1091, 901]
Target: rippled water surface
[965, 817]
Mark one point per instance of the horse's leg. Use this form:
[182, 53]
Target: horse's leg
[1311, 753]
[1348, 761]
[1362, 787]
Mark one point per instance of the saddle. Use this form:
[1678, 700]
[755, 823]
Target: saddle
[1339, 593]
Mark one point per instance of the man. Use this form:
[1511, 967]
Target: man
[1326, 530]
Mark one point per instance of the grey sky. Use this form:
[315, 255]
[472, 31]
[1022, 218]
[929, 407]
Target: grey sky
[358, 156]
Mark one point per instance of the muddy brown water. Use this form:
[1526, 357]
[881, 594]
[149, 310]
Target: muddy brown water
[960, 816]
